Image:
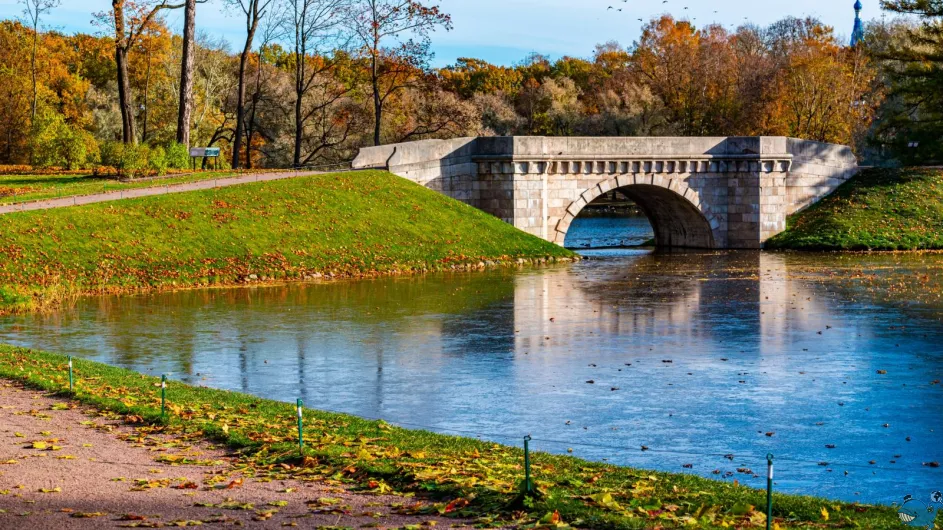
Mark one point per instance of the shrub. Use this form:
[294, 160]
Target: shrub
[134, 160]
[72, 148]
[57, 144]
[111, 154]
[178, 156]
[92, 149]
[157, 160]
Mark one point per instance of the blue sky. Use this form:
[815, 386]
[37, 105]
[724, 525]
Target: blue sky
[504, 31]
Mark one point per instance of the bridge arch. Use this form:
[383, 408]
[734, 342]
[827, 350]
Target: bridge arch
[676, 212]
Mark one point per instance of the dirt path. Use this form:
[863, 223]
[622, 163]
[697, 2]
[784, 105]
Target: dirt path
[66, 468]
[76, 200]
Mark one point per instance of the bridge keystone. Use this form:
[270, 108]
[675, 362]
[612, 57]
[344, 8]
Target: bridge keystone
[699, 192]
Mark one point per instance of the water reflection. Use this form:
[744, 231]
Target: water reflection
[608, 231]
[693, 354]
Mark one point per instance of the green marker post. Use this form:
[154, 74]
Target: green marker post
[163, 395]
[528, 486]
[301, 433]
[769, 491]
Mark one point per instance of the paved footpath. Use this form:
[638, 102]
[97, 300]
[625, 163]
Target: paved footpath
[95, 472]
[76, 200]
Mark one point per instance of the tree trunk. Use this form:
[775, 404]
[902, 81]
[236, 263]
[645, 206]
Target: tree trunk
[299, 127]
[250, 127]
[33, 68]
[240, 109]
[377, 102]
[124, 85]
[186, 75]
[241, 101]
[32, 118]
[124, 97]
[147, 91]
[252, 23]
[300, 56]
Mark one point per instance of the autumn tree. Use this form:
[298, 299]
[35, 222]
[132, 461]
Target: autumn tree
[151, 49]
[15, 91]
[263, 75]
[184, 114]
[914, 67]
[375, 22]
[128, 19]
[820, 92]
[253, 10]
[34, 10]
[314, 27]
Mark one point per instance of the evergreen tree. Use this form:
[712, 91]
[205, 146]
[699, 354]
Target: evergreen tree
[914, 133]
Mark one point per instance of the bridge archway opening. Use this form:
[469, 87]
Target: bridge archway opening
[675, 221]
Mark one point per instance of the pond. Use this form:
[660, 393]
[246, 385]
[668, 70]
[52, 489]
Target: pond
[709, 359]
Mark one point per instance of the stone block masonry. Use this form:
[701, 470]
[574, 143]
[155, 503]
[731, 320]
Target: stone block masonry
[698, 192]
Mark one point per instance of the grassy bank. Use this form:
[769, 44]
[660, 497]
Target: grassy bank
[336, 225]
[466, 477]
[879, 209]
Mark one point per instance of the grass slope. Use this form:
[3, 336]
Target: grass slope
[879, 209]
[342, 225]
[468, 478]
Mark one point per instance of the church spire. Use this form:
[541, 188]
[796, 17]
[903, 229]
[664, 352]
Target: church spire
[857, 34]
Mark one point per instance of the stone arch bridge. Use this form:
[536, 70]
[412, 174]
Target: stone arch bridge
[719, 192]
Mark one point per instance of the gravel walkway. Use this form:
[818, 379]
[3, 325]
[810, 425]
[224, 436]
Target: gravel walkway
[89, 475]
[131, 193]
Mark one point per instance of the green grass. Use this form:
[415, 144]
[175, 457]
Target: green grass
[352, 224]
[879, 209]
[373, 456]
[15, 189]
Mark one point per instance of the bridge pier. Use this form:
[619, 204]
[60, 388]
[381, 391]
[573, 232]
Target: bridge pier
[714, 192]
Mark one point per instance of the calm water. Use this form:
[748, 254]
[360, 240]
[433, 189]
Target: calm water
[608, 231]
[757, 343]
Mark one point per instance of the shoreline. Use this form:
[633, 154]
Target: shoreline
[265, 280]
[451, 469]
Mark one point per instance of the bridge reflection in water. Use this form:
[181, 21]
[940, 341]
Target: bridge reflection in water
[757, 343]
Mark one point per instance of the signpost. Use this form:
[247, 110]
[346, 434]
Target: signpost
[204, 152]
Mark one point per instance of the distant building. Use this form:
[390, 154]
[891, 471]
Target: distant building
[857, 34]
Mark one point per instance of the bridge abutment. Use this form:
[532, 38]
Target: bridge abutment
[716, 192]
